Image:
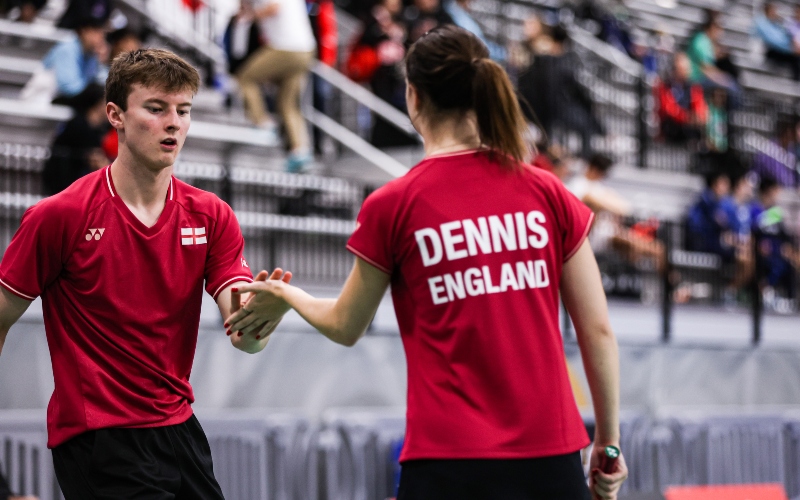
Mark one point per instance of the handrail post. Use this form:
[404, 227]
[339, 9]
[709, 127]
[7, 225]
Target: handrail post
[226, 189]
[667, 286]
[644, 136]
[757, 304]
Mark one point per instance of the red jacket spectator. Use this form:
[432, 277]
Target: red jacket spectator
[681, 102]
[323, 22]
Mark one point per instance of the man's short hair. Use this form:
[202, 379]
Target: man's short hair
[600, 162]
[89, 22]
[154, 68]
[713, 176]
[766, 185]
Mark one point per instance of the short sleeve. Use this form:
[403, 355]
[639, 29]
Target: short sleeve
[372, 238]
[576, 219]
[37, 252]
[225, 263]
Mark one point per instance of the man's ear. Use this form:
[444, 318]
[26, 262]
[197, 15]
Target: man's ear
[114, 114]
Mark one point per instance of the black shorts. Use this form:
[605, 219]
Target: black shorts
[550, 478]
[156, 463]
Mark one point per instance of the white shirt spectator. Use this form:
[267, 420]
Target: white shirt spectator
[289, 29]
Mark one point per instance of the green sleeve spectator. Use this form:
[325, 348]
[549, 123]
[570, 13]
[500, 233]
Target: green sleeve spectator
[701, 53]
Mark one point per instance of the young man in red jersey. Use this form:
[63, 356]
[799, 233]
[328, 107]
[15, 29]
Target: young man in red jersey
[120, 259]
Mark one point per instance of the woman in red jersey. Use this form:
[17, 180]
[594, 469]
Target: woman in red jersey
[476, 246]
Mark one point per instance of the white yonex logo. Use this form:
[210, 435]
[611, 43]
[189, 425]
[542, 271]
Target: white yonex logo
[193, 236]
[95, 233]
[244, 263]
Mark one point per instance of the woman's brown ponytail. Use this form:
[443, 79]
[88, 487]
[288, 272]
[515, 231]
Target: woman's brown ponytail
[451, 70]
[501, 124]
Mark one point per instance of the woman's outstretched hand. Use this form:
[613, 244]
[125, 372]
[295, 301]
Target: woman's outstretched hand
[263, 309]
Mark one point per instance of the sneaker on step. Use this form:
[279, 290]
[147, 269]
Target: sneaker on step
[298, 162]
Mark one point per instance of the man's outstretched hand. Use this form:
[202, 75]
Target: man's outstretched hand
[253, 315]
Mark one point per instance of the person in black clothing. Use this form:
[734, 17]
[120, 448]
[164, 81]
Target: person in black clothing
[79, 10]
[386, 33]
[242, 37]
[422, 16]
[77, 149]
[557, 99]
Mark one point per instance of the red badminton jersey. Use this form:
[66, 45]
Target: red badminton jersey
[475, 253]
[121, 300]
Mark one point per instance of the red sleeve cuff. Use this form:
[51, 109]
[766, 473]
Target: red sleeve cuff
[228, 281]
[369, 261]
[581, 239]
[16, 291]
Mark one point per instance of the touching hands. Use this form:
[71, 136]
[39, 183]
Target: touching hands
[605, 486]
[253, 315]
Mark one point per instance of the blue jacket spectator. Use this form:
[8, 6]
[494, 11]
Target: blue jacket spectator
[76, 62]
[781, 48]
[459, 11]
[707, 219]
[773, 33]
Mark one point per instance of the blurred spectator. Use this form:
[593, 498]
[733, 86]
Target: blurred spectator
[385, 36]
[422, 16]
[242, 36]
[717, 123]
[778, 159]
[707, 219]
[776, 253]
[24, 11]
[322, 14]
[682, 109]
[285, 62]
[536, 40]
[5, 492]
[711, 65]
[552, 158]
[460, 12]
[79, 10]
[793, 25]
[122, 40]
[736, 236]
[737, 209]
[781, 48]
[635, 243]
[77, 149]
[77, 62]
[714, 226]
[556, 97]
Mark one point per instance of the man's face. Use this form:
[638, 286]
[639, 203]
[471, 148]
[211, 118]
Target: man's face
[683, 68]
[154, 126]
[92, 39]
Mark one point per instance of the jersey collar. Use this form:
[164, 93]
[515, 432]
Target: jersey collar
[110, 184]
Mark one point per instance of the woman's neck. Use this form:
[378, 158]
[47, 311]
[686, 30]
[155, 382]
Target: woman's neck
[451, 134]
